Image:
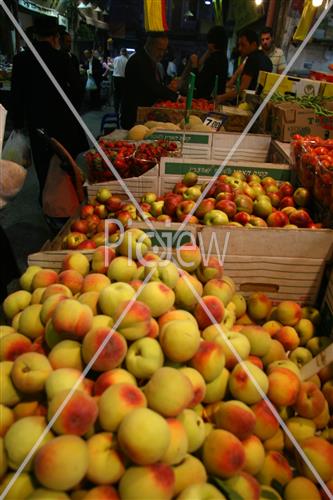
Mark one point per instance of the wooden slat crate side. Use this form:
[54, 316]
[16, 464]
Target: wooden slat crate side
[138, 186]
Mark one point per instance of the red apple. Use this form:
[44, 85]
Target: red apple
[287, 201]
[179, 188]
[102, 226]
[80, 226]
[114, 203]
[145, 207]
[244, 203]
[225, 196]
[124, 217]
[73, 239]
[86, 210]
[300, 218]
[222, 187]
[99, 239]
[286, 189]
[227, 206]
[242, 217]
[87, 245]
[275, 199]
[93, 221]
[184, 208]
[302, 196]
[171, 203]
[205, 206]
[101, 211]
[277, 219]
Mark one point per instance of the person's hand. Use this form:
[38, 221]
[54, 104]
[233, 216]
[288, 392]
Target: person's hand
[174, 84]
[194, 60]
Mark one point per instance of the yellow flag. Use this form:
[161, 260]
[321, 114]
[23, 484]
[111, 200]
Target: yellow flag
[305, 22]
[155, 15]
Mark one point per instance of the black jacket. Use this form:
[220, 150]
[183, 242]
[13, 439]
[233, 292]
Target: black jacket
[141, 87]
[36, 103]
[215, 64]
[97, 70]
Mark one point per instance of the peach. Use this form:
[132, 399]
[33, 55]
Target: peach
[283, 388]
[320, 454]
[29, 409]
[259, 306]
[13, 345]
[22, 437]
[188, 472]
[240, 304]
[110, 356]
[223, 454]
[45, 494]
[76, 261]
[122, 269]
[275, 353]
[112, 296]
[133, 319]
[276, 442]
[310, 402]
[51, 336]
[241, 383]
[232, 343]
[288, 313]
[148, 446]
[194, 428]
[30, 372]
[235, 417]
[210, 268]
[168, 392]
[15, 321]
[72, 318]
[15, 303]
[286, 364]
[198, 384]
[101, 320]
[66, 354]
[7, 417]
[201, 491]
[288, 337]
[6, 330]
[106, 464]
[21, 488]
[154, 329]
[30, 324]
[135, 244]
[44, 278]
[72, 279]
[123, 398]
[305, 330]
[188, 257]
[208, 311]
[297, 487]
[150, 482]
[53, 465]
[256, 361]
[245, 486]
[175, 314]
[254, 454]
[216, 390]
[61, 379]
[180, 340]
[112, 377]
[49, 305]
[300, 428]
[275, 467]
[158, 297]
[90, 299]
[328, 392]
[27, 277]
[101, 259]
[9, 395]
[178, 446]
[95, 282]
[101, 493]
[209, 360]
[223, 289]
[56, 289]
[272, 327]
[3, 459]
[266, 425]
[144, 357]
[260, 340]
[78, 412]
[187, 291]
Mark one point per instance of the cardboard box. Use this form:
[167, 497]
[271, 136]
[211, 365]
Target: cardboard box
[254, 147]
[288, 119]
[234, 119]
[287, 265]
[289, 85]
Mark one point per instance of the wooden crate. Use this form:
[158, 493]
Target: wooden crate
[53, 259]
[167, 233]
[254, 147]
[286, 264]
[137, 185]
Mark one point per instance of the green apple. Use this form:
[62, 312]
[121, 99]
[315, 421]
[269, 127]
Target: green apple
[135, 244]
[300, 356]
[216, 218]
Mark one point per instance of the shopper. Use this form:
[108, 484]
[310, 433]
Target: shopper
[142, 80]
[66, 47]
[214, 63]
[119, 66]
[275, 54]
[37, 104]
[94, 70]
[248, 45]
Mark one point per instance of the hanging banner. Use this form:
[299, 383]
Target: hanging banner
[155, 15]
[305, 22]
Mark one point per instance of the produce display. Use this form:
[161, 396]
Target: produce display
[313, 162]
[167, 411]
[317, 103]
[197, 104]
[129, 160]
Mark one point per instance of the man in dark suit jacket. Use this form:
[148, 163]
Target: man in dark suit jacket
[36, 103]
[142, 81]
[95, 69]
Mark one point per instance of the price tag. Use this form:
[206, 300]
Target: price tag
[215, 121]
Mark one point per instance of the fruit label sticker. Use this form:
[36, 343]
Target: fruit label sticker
[202, 139]
[215, 121]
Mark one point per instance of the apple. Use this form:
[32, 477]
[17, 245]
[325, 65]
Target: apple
[262, 207]
[135, 244]
[171, 203]
[277, 219]
[300, 218]
[86, 211]
[242, 218]
[114, 203]
[227, 206]
[184, 208]
[215, 218]
[73, 240]
[301, 196]
[102, 195]
[190, 179]
[205, 206]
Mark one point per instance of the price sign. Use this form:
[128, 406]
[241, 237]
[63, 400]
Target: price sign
[215, 121]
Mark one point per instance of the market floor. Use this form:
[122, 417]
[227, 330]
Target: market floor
[23, 219]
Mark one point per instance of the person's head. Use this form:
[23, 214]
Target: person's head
[65, 41]
[248, 42]
[46, 29]
[123, 52]
[87, 54]
[217, 39]
[266, 39]
[156, 45]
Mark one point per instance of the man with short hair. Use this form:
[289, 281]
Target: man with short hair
[119, 66]
[275, 54]
[248, 46]
[142, 79]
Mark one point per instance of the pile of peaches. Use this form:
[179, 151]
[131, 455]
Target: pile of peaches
[154, 396]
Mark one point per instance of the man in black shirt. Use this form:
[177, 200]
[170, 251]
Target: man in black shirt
[248, 45]
[142, 86]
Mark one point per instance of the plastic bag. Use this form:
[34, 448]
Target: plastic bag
[17, 149]
[12, 177]
[91, 84]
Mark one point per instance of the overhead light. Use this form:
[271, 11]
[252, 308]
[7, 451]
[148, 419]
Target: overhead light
[258, 2]
[317, 3]
[208, 2]
[189, 14]
[97, 9]
[105, 13]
